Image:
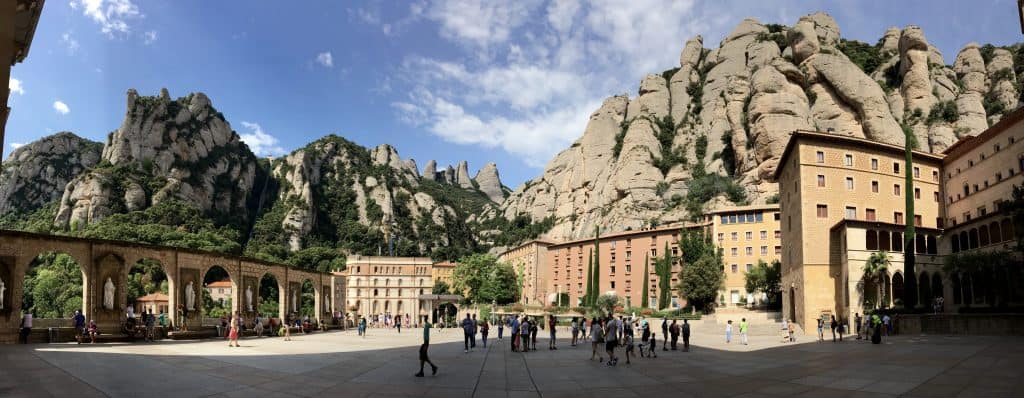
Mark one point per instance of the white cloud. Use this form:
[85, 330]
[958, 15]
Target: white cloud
[477, 22]
[111, 15]
[61, 107]
[15, 86]
[15, 145]
[261, 143]
[69, 41]
[149, 37]
[325, 59]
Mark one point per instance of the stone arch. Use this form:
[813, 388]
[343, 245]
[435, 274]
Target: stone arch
[1007, 227]
[937, 289]
[65, 267]
[983, 236]
[995, 231]
[924, 289]
[973, 238]
[933, 244]
[957, 289]
[153, 275]
[898, 284]
[226, 298]
[871, 239]
[964, 242]
[956, 243]
[920, 244]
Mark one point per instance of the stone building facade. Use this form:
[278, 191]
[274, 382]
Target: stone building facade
[527, 260]
[388, 285]
[746, 235]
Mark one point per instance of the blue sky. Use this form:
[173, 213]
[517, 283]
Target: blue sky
[508, 82]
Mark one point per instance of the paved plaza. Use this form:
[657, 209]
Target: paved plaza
[382, 365]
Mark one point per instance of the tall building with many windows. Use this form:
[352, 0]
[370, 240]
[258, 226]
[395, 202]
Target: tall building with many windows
[527, 259]
[746, 235]
[388, 285]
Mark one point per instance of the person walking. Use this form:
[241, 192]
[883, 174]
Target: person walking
[476, 328]
[524, 333]
[424, 358]
[841, 329]
[575, 326]
[686, 335]
[834, 325]
[362, 326]
[551, 325]
[258, 325]
[150, 325]
[79, 326]
[821, 330]
[501, 327]
[652, 351]
[664, 333]
[674, 331]
[484, 328]
[595, 339]
[856, 323]
[514, 330]
[398, 325]
[467, 332]
[26, 327]
[233, 333]
[611, 340]
[728, 332]
[584, 328]
[743, 331]
[534, 326]
[629, 345]
[887, 322]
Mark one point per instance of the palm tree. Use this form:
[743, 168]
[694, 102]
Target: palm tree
[874, 270]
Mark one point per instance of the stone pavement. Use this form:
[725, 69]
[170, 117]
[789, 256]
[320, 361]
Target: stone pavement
[382, 365]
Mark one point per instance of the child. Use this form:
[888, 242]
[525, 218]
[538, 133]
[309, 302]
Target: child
[654, 345]
[728, 332]
[629, 346]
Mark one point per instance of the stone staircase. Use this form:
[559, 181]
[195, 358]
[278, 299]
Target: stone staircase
[762, 323]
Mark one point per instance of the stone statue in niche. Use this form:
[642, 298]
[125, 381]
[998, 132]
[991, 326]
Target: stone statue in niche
[190, 297]
[3, 288]
[108, 294]
[248, 298]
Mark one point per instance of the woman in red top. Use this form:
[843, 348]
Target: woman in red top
[233, 334]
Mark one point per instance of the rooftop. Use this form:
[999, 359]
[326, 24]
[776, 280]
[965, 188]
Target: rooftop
[836, 138]
[968, 143]
[224, 283]
[154, 297]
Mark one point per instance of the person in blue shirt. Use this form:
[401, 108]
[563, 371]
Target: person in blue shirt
[79, 325]
[514, 327]
[468, 327]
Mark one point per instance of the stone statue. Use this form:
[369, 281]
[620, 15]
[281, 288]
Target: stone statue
[295, 301]
[3, 288]
[248, 297]
[108, 294]
[190, 297]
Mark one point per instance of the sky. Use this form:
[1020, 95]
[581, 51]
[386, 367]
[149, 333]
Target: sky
[510, 82]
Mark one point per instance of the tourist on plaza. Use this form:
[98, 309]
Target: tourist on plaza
[867, 327]
[743, 331]
[841, 330]
[524, 334]
[26, 327]
[686, 335]
[887, 322]
[664, 334]
[79, 326]
[653, 346]
[258, 325]
[476, 329]
[645, 331]
[595, 338]
[575, 326]
[611, 340]
[876, 329]
[398, 325]
[424, 358]
[484, 328]
[501, 327]
[856, 323]
[728, 332]
[792, 332]
[629, 345]
[584, 328]
[163, 319]
[362, 326]
[93, 331]
[233, 333]
[513, 328]
[621, 336]
[674, 331]
[834, 325]
[287, 332]
[467, 332]
[150, 326]
[184, 317]
[821, 330]
[551, 325]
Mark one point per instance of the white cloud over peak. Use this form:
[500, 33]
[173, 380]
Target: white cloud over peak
[61, 107]
[149, 37]
[112, 15]
[261, 143]
[15, 86]
[325, 59]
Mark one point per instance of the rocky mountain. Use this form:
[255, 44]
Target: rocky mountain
[710, 132]
[330, 194]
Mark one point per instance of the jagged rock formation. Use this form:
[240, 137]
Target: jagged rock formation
[710, 132]
[181, 149]
[488, 182]
[485, 181]
[36, 174]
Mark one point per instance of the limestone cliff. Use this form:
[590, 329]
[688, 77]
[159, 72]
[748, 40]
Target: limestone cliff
[710, 131]
[35, 174]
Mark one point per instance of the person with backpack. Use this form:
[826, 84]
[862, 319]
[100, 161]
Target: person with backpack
[686, 335]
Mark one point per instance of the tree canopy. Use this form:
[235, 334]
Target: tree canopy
[766, 278]
[484, 280]
[701, 275]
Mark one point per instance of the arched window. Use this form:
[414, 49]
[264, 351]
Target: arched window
[897, 241]
[983, 235]
[973, 238]
[993, 229]
[933, 245]
[871, 239]
[956, 244]
[920, 247]
[883, 240]
[964, 245]
[897, 285]
[924, 289]
[1008, 232]
[968, 289]
[375, 292]
[937, 288]
[957, 293]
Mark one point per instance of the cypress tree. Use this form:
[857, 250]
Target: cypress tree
[644, 301]
[597, 266]
[590, 279]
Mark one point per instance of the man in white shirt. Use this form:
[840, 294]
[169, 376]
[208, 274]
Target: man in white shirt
[26, 327]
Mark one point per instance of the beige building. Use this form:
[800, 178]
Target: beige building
[826, 183]
[527, 260]
[388, 285]
[746, 235]
[442, 272]
[220, 291]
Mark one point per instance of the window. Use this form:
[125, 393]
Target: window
[654, 252]
[725, 219]
[613, 284]
[935, 196]
[629, 268]
[897, 218]
[869, 214]
[896, 189]
[967, 216]
[732, 219]
[611, 270]
[778, 234]
[750, 267]
[759, 217]
[764, 235]
[764, 250]
[750, 235]
[821, 180]
[917, 220]
[982, 211]
[917, 172]
[735, 252]
[848, 160]
[735, 268]
[874, 186]
[935, 175]
[721, 236]
[849, 182]
[999, 176]
[874, 164]
[778, 249]
[917, 193]
[629, 255]
[895, 168]
[820, 156]
[735, 236]
[822, 211]
[851, 213]
[750, 251]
